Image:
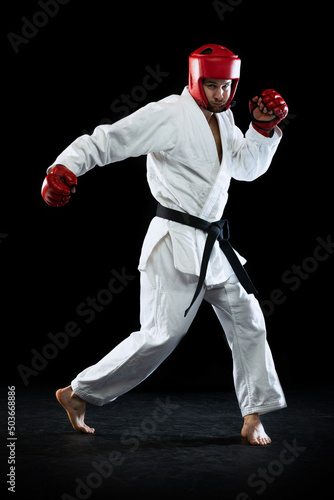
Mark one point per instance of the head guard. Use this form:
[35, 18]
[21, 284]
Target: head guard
[212, 61]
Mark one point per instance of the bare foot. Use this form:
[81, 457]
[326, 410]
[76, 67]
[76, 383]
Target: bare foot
[253, 430]
[75, 408]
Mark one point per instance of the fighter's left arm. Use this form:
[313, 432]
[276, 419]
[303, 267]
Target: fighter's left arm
[253, 153]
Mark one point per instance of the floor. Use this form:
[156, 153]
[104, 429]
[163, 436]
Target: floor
[171, 445]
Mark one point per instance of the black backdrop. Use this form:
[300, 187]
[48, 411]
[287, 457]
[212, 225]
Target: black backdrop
[68, 66]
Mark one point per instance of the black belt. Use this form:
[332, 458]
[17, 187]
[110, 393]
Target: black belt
[218, 230]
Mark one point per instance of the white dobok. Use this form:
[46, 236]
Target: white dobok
[184, 173]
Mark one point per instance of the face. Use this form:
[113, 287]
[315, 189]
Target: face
[217, 93]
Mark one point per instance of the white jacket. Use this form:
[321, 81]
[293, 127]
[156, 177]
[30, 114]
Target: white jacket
[183, 170]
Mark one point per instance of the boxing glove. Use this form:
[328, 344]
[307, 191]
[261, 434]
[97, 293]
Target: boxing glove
[269, 104]
[58, 185]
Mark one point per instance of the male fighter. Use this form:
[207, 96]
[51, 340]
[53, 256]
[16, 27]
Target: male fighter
[193, 150]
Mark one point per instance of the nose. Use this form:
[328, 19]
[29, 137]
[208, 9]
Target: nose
[219, 94]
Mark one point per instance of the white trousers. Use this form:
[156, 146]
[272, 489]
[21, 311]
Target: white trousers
[165, 294]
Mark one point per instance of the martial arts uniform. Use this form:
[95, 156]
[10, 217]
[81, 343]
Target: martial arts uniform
[184, 173]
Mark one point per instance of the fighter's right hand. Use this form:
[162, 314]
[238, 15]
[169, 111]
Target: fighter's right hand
[58, 186]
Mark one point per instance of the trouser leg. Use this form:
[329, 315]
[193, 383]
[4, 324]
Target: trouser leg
[256, 382]
[165, 294]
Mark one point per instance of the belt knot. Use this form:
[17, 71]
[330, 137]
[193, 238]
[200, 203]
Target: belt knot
[221, 229]
[218, 230]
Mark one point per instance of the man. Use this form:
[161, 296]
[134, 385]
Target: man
[194, 149]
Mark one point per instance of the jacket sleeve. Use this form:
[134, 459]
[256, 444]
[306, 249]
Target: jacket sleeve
[150, 129]
[252, 154]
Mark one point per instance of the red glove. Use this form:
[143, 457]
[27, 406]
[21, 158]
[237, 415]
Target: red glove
[269, 104]
[56, 188]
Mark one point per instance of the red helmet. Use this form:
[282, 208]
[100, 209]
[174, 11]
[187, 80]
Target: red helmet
[212, 61]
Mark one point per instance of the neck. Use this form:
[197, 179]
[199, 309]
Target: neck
[207, 114]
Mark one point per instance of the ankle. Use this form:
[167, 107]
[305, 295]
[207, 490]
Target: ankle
[251, 416]
[75, 397]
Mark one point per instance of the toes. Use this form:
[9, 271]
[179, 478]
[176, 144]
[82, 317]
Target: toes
[259, 441]
[86, 430]
[254, 442]
[264, 441]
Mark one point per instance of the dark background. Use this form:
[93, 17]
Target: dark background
[60, 84]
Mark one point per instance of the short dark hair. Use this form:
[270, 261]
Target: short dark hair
[207, 51]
